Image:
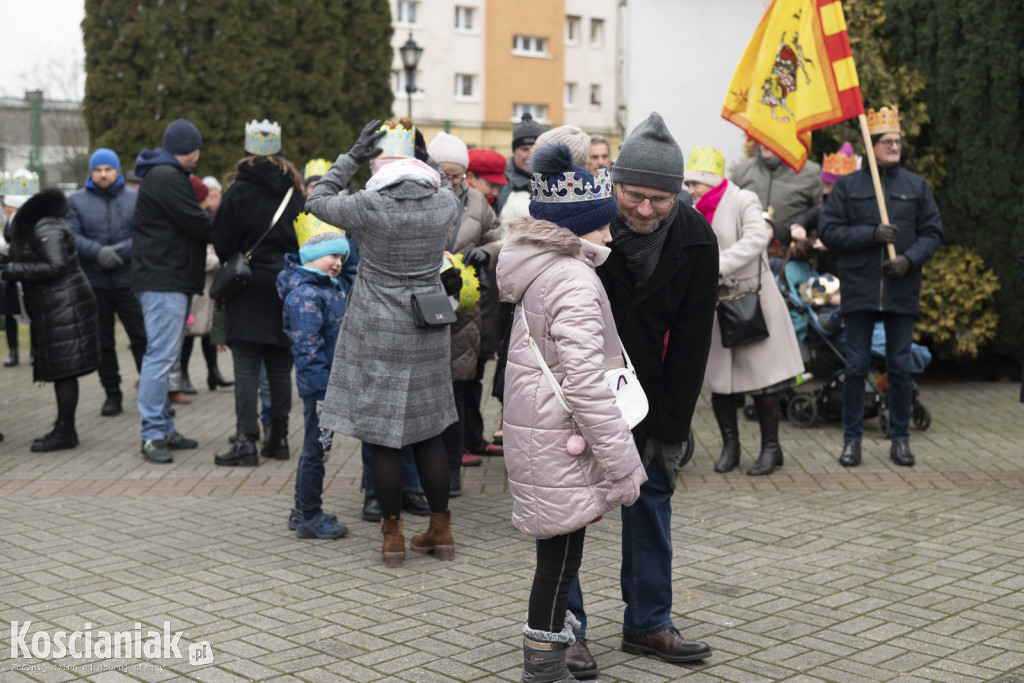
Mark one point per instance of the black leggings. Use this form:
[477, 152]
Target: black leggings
[209, 353]
[558, 563]
[432, 465]
[66, 391]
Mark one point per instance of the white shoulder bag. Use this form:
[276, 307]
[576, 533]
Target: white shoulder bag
[629, 395]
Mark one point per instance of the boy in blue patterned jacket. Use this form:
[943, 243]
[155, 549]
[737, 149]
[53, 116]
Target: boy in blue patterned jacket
[314, 287]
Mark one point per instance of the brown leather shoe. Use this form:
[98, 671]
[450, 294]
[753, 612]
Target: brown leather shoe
[438, 539]
[579, 661]
[667, 644]
[394, 542]
[179, 397]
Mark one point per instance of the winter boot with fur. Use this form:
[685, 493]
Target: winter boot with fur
[544, 653]
[438, 539]
[724, 406]
[767, 406]
[394, 542]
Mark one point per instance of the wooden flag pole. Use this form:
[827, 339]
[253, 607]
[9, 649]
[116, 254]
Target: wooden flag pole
[873, 165]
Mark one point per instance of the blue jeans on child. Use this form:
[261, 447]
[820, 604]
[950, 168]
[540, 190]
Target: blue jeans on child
[309, 477]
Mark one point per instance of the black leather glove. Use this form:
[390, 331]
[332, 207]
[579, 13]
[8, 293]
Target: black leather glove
[897, 267]
[366, 146]
[451, 280]
[420, 148]
[885, 233]
[476, 257]
[107, 258]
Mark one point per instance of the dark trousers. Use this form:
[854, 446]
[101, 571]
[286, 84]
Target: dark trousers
[899, 333]
[558, 565]
[209, 354]
[473, 431]
[309, 476]
[452, 436]
[247, 357]
[124, 303]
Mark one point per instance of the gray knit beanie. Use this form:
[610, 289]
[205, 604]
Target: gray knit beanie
[650, 157]
[572, 137]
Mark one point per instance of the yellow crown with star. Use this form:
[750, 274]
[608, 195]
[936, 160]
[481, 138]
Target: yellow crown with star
[262, 138]
[707, 159]
[399, 139]
[307, 226]
[885, 120]
[316, 168]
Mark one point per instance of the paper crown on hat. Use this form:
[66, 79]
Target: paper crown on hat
[885, 120]
[262, 138]
[316, 168]
[398, 141]
[307, 226]
[706, 159]
[841, 163]
[21, 183]
[570, 188]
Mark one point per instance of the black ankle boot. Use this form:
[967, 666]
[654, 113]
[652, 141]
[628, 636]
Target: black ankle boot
[242, 453]
[215, 379]
[276, 444]
[63, 436]
[12, 359]
[770, 457]
[724, 406]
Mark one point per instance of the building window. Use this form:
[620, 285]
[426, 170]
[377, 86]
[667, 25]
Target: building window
[572, 30]
[597, 33]
[539, 112]
[570, 95]
[406, 12]
[465, 18]
[595, 97]
[465, 86]
[530, 46]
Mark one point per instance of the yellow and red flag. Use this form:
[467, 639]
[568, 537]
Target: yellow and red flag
[796, 75]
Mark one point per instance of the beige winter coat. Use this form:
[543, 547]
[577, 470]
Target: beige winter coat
[549, 272]
[742, 238]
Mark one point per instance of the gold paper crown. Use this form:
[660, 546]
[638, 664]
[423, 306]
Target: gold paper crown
[308, 226]
[885, 120]
[262, 138]
[839, 164]
[398, 141]
[707, 159]
[316, 167]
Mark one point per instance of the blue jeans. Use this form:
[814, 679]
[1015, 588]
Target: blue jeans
[646, 574]
[410, 477]
[164, 314]
[309, 477]
[899, 333]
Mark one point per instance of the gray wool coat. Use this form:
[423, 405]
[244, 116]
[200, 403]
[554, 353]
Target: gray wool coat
[391, 381]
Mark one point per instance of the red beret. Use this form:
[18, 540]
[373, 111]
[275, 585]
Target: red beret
[488, 164]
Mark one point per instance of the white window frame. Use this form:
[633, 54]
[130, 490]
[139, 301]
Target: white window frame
[573, 24]
[539, 112]
[530, 46]
[598, 40]
[595, 96]
[460, 80]
[570, 95]
[402, 12]
[462, 12]
[398, 85]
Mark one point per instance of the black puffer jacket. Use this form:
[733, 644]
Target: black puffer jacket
[58, 298]
[255, 314]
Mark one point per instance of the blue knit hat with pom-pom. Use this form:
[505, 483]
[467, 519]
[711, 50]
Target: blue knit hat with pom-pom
[569, 196]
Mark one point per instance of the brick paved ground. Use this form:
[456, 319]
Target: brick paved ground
[811, 574]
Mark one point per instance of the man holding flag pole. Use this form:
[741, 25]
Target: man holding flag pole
[797, 75]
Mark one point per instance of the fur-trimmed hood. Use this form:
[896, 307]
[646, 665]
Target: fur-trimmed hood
[530, 247]
[50, 203]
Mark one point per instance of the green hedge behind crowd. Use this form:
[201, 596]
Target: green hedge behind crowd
[971, 54]
[320, 69]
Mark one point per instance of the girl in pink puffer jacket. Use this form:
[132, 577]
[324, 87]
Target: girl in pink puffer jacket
[547, 267]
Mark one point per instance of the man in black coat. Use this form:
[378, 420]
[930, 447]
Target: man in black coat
[873, 286]
[169, 236]
[661, 278]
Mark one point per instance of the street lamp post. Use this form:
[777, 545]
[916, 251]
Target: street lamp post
[411, 53]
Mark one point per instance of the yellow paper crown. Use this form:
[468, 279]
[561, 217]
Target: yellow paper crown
[707, 159]
[840, 163]
[469, 295]
[316, 167]
[885, 120]
[308, 226]
[398, 141]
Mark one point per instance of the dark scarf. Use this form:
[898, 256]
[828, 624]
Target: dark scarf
[641, 251]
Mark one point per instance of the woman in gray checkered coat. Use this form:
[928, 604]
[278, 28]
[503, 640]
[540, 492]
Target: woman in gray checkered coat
[390, 382]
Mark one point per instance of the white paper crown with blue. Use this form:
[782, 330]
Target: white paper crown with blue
[21, 183]
[262, 138]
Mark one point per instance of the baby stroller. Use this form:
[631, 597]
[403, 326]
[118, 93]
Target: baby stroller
[824, 339]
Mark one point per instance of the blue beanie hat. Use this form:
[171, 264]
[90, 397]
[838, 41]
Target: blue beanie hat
[569, 196]
[323, 244]
[104, 157]
[182, 137]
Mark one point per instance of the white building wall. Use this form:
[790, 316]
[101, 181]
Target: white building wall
[680, 58]
[587, 65]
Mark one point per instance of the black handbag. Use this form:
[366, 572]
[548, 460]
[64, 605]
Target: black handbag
[740, 319]
[432, 310]
[234, 275]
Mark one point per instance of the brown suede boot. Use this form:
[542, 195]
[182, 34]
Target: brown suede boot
[394, 542]
[438, 539]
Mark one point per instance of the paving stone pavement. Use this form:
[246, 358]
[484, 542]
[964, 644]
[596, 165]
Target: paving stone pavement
[814, 573]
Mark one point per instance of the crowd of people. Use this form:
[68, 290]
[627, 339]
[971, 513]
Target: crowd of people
[388, 301]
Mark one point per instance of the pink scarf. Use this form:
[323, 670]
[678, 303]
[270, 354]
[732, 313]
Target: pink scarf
[709, 202]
